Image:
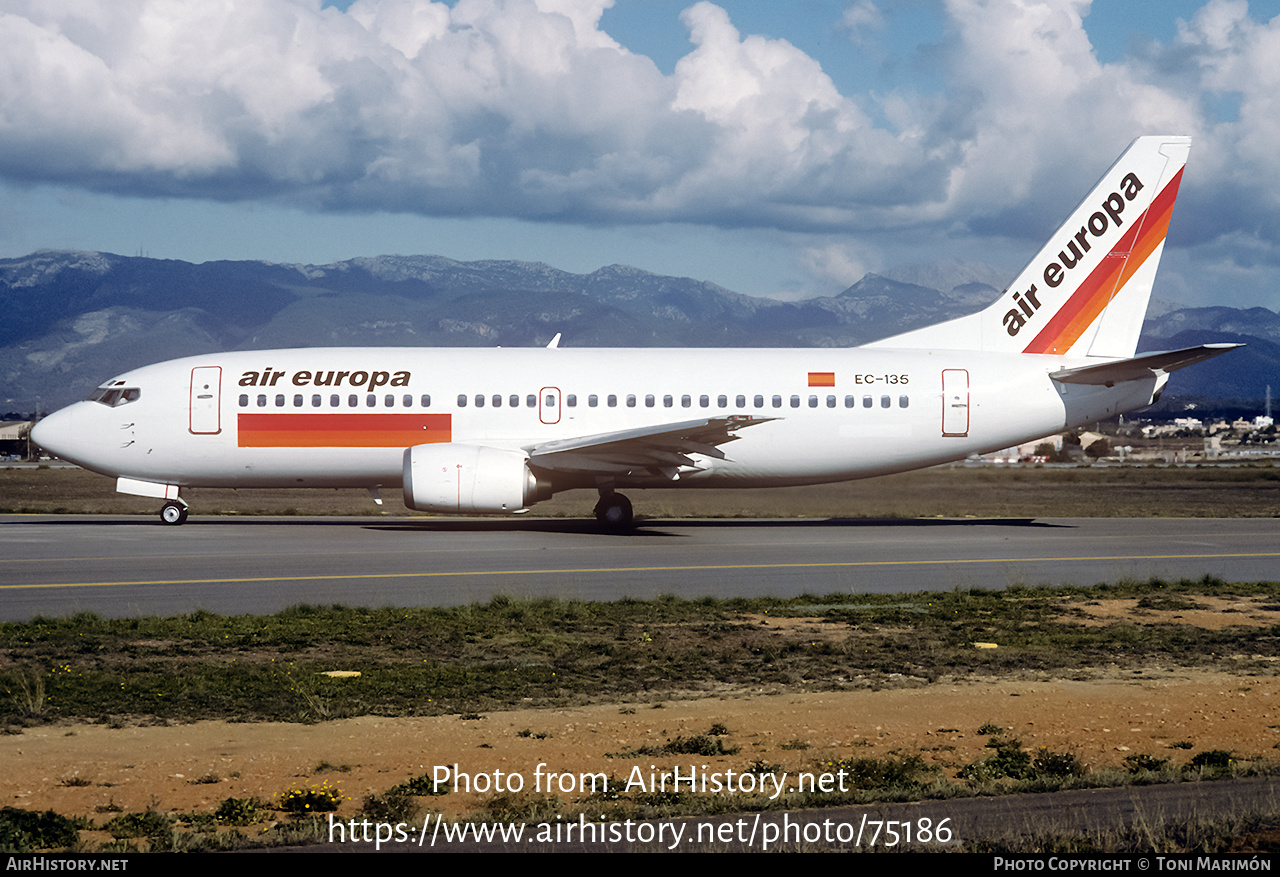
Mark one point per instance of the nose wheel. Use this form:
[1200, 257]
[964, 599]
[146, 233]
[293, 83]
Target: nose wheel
[613, 511]
[174, 513]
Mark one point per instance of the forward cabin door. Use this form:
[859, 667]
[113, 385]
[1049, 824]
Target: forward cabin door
[206, 395]
[955, 402]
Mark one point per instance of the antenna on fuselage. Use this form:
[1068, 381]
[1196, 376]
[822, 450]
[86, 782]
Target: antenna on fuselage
[554, 342]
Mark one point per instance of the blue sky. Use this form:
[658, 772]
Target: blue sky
[778, 149]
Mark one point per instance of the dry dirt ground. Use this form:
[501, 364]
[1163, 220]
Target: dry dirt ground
[1101, 715]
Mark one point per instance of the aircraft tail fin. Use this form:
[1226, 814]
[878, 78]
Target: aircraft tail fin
[1086, 292]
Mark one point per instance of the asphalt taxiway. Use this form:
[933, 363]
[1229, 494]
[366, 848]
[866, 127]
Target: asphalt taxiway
[132, 566]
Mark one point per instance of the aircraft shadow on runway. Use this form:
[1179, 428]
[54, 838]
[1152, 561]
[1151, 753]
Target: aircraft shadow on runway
[668, 526]
[644, 527]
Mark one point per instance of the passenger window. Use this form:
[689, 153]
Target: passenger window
[668, 401]
[742, 402]
[902, 401]
[426, 401]
[462, 400]
[866, 401]
[297, 400]
[612, 401]
[631, 400]
[795, 401]
[333, 401]
[571, 400]
[279, 400]
[704, 401]
[389, 401]
[531, 401]
[722, 401]
[884, 401]
[514, 401]
[551, 401]
[831, 401]
[759, 400]
[850, 401]
[593, 400]
[371, 400]
[353, 400]
[262, 401]
[407, 401]
[479, 401]
[685, 401]
[316, 400]
[497, 401]
[244, 400]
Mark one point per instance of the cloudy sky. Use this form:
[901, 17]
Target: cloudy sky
[779, 149]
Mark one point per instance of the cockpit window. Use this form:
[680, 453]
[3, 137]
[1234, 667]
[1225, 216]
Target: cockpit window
[114, 397]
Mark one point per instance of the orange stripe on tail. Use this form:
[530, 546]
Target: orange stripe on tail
[1095, 293]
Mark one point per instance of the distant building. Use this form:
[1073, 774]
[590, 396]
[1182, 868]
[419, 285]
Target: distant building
[1024, 451]
[14, 430]
[13, 437]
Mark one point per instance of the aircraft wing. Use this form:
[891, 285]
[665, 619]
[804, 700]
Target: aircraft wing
[664, 449]
[1139, 367]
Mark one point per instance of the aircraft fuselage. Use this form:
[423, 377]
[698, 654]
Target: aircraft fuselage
[333, 417]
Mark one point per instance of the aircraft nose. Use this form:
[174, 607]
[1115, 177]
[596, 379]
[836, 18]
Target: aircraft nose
[64, 433]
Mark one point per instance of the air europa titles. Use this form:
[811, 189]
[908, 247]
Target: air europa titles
[1073, 253]
[370, 379]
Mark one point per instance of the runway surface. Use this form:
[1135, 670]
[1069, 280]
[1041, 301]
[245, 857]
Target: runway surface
[133, 566]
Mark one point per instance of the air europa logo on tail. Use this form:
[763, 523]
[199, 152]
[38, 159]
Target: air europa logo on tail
[1108, 215]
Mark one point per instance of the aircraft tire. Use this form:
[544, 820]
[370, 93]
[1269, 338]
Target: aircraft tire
[173, 514]
[614, 511]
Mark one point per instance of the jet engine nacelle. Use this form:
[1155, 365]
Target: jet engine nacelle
[469, 478]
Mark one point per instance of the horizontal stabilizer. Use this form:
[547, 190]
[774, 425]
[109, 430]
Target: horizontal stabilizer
[1140, 367]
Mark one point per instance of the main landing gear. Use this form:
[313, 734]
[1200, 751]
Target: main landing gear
[174, 513]
[613, 511]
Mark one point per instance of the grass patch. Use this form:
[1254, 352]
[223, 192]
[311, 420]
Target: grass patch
[469, 660]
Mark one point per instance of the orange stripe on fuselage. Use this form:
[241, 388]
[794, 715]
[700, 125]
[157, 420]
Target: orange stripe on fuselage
[343, 430]
[1097, 290]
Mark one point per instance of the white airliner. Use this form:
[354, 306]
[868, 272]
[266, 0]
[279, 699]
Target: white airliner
[497, 430]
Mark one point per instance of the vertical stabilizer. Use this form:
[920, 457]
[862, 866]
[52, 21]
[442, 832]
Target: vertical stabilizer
[1086, 292]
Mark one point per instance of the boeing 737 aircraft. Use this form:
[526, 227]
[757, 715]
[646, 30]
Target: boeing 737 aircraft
[497, 430]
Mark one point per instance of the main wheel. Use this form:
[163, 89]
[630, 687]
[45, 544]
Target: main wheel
[614, 511]
[173, 513]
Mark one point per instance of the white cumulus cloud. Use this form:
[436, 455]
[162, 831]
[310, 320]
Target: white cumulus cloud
[527, 108]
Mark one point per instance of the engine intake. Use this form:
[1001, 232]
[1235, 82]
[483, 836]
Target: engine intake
[469, 478]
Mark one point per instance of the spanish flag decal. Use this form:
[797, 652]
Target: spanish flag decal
[822, 379]
[343, 430]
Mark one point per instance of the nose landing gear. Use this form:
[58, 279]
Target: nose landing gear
[174, 513]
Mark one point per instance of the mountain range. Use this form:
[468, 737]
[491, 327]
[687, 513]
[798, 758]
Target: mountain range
[73, 319]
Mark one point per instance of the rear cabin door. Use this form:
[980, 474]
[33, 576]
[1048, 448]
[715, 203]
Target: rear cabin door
[955, 402]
